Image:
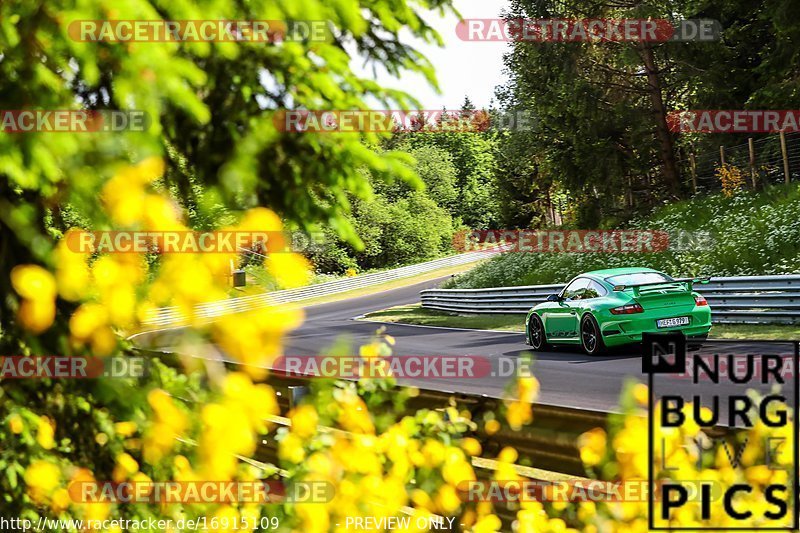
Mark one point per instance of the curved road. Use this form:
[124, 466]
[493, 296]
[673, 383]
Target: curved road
[567, 378]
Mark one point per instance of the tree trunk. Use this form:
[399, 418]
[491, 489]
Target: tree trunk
[667, 149]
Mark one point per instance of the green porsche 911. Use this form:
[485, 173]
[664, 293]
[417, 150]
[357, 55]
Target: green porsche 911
[606, 308]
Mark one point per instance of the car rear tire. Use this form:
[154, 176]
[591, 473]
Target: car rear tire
[536, 335]
[591, 339]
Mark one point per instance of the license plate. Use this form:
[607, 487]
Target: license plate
[672, 322]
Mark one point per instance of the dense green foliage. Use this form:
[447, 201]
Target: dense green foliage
[747, 234]
[399, 224]
[210, 108]
[402, 223]
[601, 107]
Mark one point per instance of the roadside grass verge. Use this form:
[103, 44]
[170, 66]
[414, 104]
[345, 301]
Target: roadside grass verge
[417, 315]
[747, 234]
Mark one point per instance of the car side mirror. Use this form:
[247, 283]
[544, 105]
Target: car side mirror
[554, 298]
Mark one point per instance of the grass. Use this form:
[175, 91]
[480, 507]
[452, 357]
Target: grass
[415, 314]
[747, 234]
[755, 332]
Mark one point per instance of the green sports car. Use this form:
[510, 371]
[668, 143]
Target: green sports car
[606, 308]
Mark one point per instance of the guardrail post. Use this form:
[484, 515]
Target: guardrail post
[296, 395]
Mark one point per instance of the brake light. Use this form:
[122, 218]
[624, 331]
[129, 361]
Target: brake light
[699, 300]
[627, 309]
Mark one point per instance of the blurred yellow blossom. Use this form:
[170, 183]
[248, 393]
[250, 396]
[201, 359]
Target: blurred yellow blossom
[15, 424]
[45, 432]
[37, 287]
[169, 423]
[592, 445]
[124, 468]
[42, 477]
[125, 429]
[289, 269]
[304, 421]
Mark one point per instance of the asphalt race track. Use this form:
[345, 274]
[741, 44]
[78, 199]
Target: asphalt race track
[567, 378]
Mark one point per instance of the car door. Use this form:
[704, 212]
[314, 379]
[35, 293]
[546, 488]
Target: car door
[561, 320]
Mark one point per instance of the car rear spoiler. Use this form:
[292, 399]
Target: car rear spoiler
[688, 281]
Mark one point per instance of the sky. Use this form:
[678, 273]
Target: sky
[463, 68]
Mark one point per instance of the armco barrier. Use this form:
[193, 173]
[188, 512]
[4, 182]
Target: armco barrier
[169, 316]
[739, 299]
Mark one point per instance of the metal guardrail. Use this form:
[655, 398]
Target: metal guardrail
[169, 316]
[738, 299]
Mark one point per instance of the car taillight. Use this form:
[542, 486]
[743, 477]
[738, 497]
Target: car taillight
[699, 300]
[627, 309]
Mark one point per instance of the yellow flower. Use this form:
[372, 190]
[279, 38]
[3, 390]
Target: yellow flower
[592, 445]
[166, 411]
[103, 342]
[124, 193]
[15, 424]
[447, 500]
[87, 319]
[42, 478]
[641, 393]
[314, 517]
[45, 432]
[492, 426]
[354, 415]
[369, 351]
[149, 169]
[471, 446]
[60, 500]
[125, 429]
[256, 401]
[434, 453]
[126, 465]
[488, 524]
[319, 464]
[456, 469]
[518, 414]
[33, 282]
[170, 422]
[289, 269]
[37, 287]
[72, 272]
[304, 421]
[507, 455]
[291, 449]
[421, 499]
[260, 219]
[36, 315]
[226, 517]
[527, 389]
[160, 213]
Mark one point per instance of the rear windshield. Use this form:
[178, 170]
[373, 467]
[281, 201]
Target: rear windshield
[637, 278]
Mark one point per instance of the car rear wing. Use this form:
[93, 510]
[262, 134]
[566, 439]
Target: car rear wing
[689, 282]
